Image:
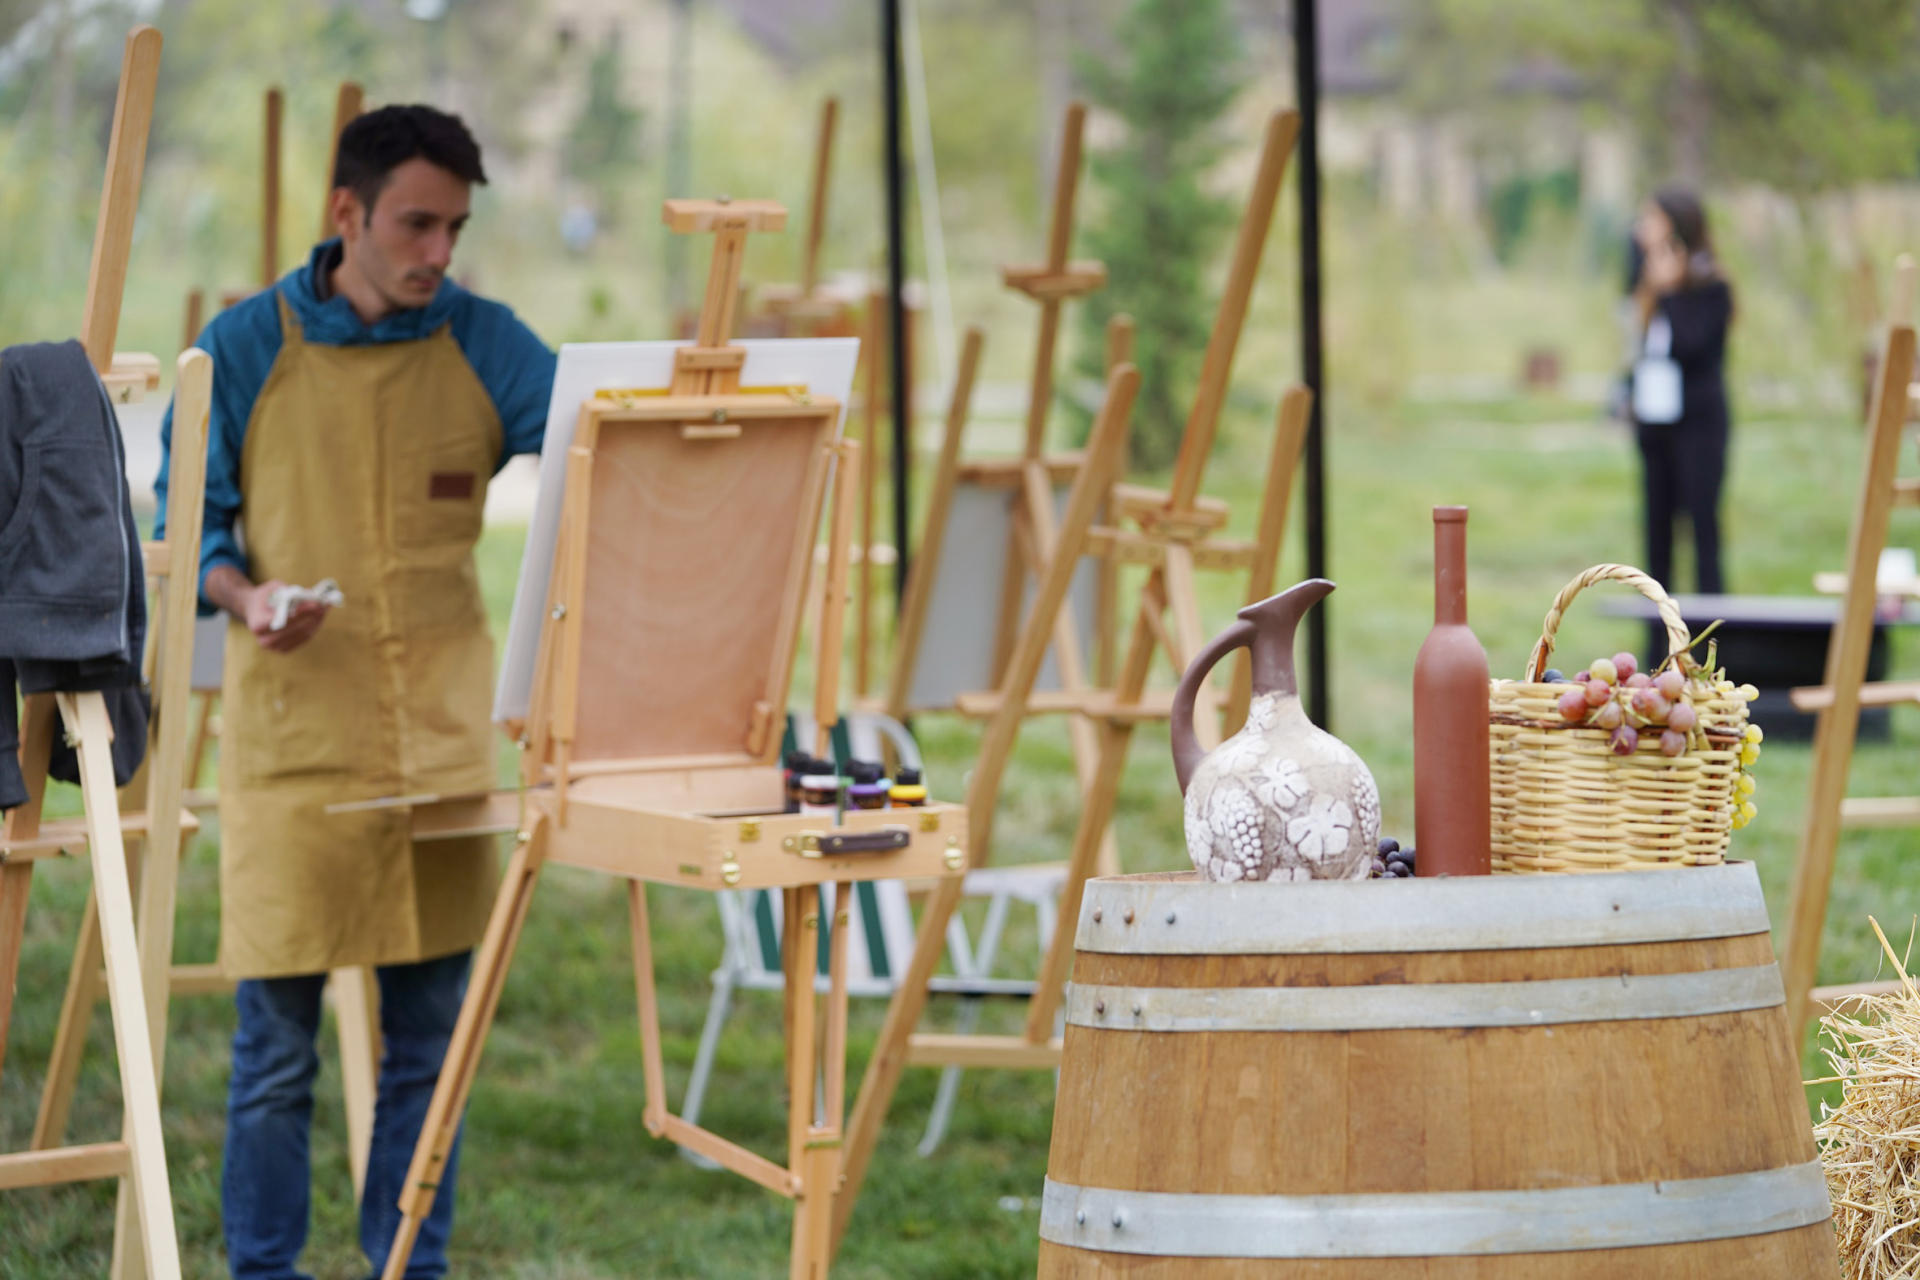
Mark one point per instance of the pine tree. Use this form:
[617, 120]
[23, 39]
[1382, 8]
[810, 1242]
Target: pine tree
[1158, 230]
[605, 139]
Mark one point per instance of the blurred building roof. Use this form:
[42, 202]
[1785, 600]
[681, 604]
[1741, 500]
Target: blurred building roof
[790, 30]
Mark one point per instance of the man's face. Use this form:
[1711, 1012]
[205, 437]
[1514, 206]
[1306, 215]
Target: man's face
[404, 248]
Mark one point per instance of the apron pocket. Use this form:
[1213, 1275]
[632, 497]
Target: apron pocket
[301, 715]
[440, 504]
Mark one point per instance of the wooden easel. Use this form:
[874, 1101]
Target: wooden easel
[810, 310]
[803, 309]
[136, 960]
[354, 993]
[1176, 535]
[1029, 479]
[679, 619]
[1839, 700]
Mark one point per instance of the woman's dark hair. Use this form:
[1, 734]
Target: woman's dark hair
[377, 143]
[1689, 219]
[1688, 216]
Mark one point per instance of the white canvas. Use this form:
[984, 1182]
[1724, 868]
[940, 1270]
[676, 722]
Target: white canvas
[823, 365]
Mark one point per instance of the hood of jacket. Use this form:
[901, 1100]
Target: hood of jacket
[333, 322]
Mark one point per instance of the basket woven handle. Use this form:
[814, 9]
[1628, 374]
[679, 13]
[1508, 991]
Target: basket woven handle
[1678, 638]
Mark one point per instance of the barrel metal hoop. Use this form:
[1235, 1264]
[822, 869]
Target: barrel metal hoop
[1471, 913]
[1434, 1223]
[1397, 1006]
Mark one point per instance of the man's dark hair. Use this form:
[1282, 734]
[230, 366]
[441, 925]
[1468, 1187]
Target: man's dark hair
[375, 144]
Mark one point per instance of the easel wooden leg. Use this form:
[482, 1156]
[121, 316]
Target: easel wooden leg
[1183, 599]
[202, 735]
[16, 878]
[1847, 650]
[1095, 818]
[1040, 545]
[811, 1247]
[86, 713]
[1289, 435]
[70, 1037]
[356, 1011]
[16, 882]
[890, 1050]
[489, 977]
[653, 1069]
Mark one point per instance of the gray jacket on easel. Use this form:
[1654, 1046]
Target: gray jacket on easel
[73, 596]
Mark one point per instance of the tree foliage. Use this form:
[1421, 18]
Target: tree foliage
[604, 141]
[1158, 229]
[1801, 94]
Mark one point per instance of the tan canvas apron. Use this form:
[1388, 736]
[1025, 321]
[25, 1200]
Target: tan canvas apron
[367, 465]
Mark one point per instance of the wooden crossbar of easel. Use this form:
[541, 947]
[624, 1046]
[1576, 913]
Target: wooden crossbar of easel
[135, 958]
[1169, 531]
[1846, 690]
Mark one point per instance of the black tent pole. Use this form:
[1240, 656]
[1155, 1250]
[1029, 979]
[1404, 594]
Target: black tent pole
[1306, 77]
[896, 282]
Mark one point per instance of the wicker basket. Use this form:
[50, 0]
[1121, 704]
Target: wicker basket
[1564, 801]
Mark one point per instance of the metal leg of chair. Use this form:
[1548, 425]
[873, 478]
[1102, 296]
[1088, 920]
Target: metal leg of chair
[717, 1009]
[949, 1091]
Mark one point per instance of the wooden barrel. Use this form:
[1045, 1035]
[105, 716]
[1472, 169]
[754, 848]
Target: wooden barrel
[1494, 1078]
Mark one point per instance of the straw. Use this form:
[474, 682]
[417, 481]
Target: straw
[1870, 1143]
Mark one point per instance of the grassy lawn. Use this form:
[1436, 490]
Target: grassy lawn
[560, 1179]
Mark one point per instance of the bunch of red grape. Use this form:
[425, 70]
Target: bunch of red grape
[1614, 694]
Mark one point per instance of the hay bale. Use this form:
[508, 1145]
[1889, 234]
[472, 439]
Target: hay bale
[1870, 1143]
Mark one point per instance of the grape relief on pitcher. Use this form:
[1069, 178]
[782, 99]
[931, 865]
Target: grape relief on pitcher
[1282, 799]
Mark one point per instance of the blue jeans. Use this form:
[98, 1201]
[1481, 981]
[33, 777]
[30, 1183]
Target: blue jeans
[264, 1186]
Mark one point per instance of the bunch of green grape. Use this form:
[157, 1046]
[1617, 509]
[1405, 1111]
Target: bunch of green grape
[1615, 695]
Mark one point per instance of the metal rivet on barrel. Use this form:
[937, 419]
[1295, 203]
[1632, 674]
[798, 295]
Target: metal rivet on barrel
[1119, 1219]
[1100, 1007]
[1080, 1218]
[1137, 1010]
[1096, 915]
[1169, 917]
[1128, 917]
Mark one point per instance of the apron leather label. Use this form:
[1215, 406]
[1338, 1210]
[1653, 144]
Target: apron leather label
[454, 485]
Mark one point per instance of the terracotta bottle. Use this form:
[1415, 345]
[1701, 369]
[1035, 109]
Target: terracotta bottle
[1452, 817]
[1282, 799]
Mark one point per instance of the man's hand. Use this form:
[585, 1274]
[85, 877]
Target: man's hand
[253, 605]
[303, 619]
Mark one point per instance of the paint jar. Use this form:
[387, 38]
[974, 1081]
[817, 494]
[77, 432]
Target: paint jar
[820, 794]
[870, 785]
[798, 764]
[906, 792]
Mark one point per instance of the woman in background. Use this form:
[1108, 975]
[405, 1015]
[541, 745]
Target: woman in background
[1684, 306]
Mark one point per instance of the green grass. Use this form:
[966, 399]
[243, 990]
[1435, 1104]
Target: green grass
[560, 1179]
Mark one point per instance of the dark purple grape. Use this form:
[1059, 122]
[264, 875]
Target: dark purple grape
[1401, 871]
[1387, 845]
[1553, 675]
[1379, 868]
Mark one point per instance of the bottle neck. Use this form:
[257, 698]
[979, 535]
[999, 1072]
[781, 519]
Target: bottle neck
[1449, 572]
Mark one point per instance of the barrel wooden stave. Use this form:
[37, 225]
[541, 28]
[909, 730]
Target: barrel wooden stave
[1801, 1252]
[1410, 1110]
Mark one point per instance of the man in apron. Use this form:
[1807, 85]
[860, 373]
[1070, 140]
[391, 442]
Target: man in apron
[359, 408]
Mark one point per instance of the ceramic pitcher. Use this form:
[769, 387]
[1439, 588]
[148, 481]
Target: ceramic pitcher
[1282, 799]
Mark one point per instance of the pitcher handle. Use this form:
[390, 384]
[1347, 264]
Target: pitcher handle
[1186, 748]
